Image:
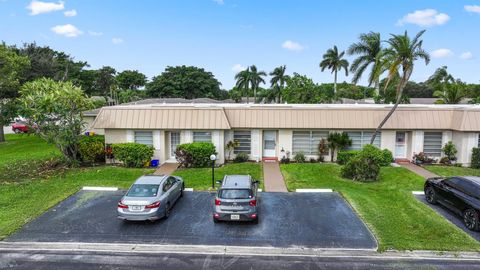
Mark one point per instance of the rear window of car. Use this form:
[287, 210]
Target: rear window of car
[143, 190]
[235, 194]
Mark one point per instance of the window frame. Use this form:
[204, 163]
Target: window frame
[140, 141]
[202, 131]
[429, 152]
[363, 139]
[238, 150]
[311, 140]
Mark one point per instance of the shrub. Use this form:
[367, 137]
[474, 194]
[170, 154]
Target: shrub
[445, 161]
[421, 158]
[321, 158]
[450, 151]
[132, 154]
[285, 160]
[387, 157]
[195, 155]
[300, 157]
[241, 157]
[365, 165]
[344, 156]
[92, 148]
[313, 160]
[475, 158]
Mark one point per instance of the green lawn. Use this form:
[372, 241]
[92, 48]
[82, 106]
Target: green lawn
[20, 147]
[396, 218]
[20, 203]
[452, 170]
[201, 178]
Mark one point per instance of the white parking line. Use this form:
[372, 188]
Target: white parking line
[418, 193]
[260, 190]
[100, 188]
[314, 190]
[188, 189]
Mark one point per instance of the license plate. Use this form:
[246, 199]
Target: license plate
[234, 217]
[136, 208]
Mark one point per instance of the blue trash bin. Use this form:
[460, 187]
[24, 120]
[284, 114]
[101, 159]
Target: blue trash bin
[154, 163]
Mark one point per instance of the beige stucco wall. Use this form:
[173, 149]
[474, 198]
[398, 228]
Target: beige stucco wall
[387, 140]
[88, 125]
[285, 141]
[465, 142]
[115, 136]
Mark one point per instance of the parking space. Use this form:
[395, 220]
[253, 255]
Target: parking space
[451, 216]
[319, 220]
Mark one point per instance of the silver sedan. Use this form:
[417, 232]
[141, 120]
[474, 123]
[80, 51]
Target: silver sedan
[151, 197]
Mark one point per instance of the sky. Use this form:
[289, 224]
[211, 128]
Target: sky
[225, 36]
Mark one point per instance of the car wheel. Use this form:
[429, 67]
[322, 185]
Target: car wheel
[17, 131]
[181, 191]
[470, 219]
[255, 221]
[215, 220]
[430, 195]
[168, 210]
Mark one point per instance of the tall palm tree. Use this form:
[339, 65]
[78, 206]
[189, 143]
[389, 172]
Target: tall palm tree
[370, 53]
[451, 92]
[333, 60]
[402, 53]
[256, 77]
[243, 82]
[278, 80]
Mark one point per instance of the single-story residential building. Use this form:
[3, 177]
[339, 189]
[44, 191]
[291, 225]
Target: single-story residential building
[270, 131]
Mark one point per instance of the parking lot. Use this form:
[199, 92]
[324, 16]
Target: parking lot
[319, 220]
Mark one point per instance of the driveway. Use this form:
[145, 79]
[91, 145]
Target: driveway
[318, 220]
[450, 216]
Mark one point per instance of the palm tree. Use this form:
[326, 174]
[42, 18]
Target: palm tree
[402, 54]
[278, 80]
[243, 81]
[451, 92]
[333, 60]
[256, 77]
[337, 141]
[370, 53]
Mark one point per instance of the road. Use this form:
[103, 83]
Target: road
[100, 260]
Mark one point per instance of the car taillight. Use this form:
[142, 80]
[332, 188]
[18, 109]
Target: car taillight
[217, 202]
[153, 205]
[253, 203]
[121, 205]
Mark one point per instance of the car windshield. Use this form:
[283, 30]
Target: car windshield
[143, 190]
[235, 194]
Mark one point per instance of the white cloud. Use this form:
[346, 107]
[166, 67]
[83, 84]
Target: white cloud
[39, 7]
[473, 8]
[220, 2]
[70, 13]
[117, 40]
[67, 30]
[466, 56]
[292, 46]
[424, 18]
[441, 53]
[238, 68]
[95, 34]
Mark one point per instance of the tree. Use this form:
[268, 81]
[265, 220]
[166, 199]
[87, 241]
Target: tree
[301, 89]
[243, 81]
[451, 92]
[370, 53]
[403, 52]
[439, 78]
[184, 81]
[12, 68]
[278, 80]
[337, 141]
[231, 145]
[256, 78]
[333, 60]
[55, 108]
[105, 82]
[131, 80]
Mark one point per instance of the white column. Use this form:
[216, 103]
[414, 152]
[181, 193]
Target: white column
[285, 141]
[417, 141]
[387, 140]
[217, 140]
[186, 136]
[256, 145]
[446, 137]
[130, 136]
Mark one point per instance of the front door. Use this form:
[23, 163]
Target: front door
[400, 145]
[269, 143]
[174, 141]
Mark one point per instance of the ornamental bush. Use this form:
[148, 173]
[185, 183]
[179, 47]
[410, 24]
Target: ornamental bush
[132, 154]
[92, 148]
[299, 157]
[195, 155]
[475, 158]
[365, 165]
[345, 155]
[387, 157]
[241, 157]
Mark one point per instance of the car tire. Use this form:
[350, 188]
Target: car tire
[255, 221]
[168, 210]
[430, 195]
[215, 220]
[181, 191]
[471, 219]
[17, 131]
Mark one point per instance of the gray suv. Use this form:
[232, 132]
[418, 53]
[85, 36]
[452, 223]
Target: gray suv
[236, 199]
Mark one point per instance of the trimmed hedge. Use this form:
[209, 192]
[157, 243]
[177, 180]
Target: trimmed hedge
[345, 155]
[475, 158]
[383, 157]
[92, 148]
[195, 155]
[132, 154]
[365, 165]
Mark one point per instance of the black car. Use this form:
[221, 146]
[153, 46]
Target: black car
[461, 194]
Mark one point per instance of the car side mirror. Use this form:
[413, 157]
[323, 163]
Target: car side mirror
[256, 182]
[219, 182]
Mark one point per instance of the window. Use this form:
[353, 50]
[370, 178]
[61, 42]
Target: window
[432, 144]
[141, 190]
[144, 137]
[307, 141]
[202, 136]
[244, 138]
[361, 138]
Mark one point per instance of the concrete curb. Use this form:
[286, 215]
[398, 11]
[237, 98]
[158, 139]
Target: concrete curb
[100, 188]
[188, 189]
[237, 250]
[322, 190]
[418, 193]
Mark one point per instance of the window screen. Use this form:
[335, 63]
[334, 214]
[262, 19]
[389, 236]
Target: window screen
[361, 138]
[144, 137]
[432, 144]
[244, 138]
[307, 141]
[202, 136]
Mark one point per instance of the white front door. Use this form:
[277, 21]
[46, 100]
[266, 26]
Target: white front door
[269, 143]
[400, 145]
[174, 141]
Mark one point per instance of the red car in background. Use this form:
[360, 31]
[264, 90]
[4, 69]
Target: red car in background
[19, 127]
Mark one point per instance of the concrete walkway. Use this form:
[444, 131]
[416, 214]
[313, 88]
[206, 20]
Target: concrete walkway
[418, 170]
[273, 178]
[166, 168]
